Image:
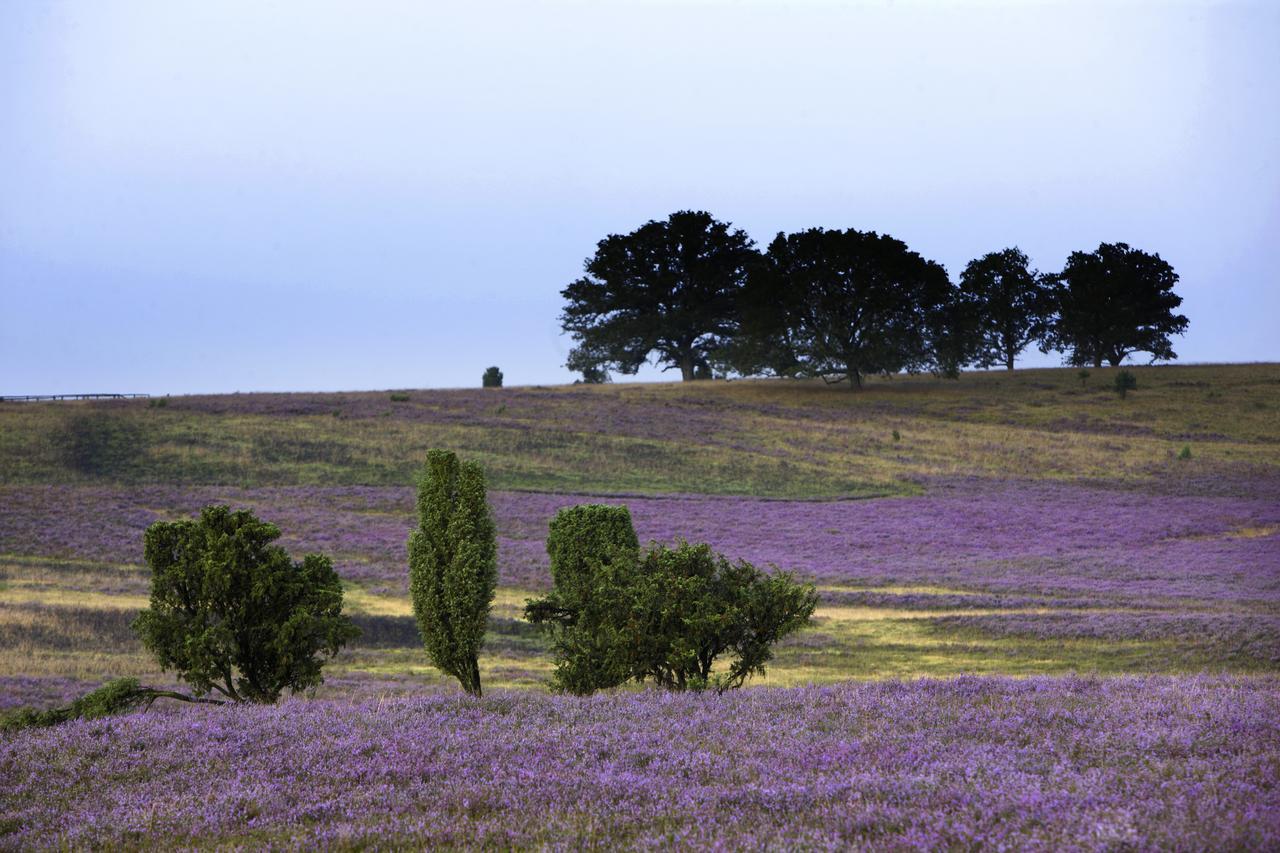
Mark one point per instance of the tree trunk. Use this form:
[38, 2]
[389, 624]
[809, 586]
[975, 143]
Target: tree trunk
[1008, 362]
[855, 380]
[686, 367]
[1115, 361]
[1097, 361]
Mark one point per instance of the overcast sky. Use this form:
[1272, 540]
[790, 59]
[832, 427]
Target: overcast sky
[200, 196]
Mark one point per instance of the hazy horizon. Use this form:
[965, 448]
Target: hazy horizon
[202, 199]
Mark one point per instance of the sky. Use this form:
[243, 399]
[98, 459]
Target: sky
[248, 195]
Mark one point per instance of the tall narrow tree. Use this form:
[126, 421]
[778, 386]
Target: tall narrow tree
[1012, 305]
[453, 565]
[1113, 302]
[667, 290]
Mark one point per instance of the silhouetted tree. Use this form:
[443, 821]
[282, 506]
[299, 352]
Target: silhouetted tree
[492, 378]
[1012, 304]
[1115, 301]
[844, 304]
[668, 289]
[453, 567]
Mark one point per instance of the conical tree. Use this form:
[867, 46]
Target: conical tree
[453, 566]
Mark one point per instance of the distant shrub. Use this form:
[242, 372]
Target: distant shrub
[157, 402]
[666, 615]
[231, 612]
[453, 569]
[1083, 376]
[399, 398]
[492, 378]
[897, 436]
[1185, 452]
[100, 444]
[1124, 383]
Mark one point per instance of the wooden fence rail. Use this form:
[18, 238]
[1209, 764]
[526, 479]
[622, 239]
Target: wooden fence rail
[30, 398]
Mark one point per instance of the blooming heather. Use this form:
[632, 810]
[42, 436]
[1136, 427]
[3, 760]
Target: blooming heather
[1042, 763]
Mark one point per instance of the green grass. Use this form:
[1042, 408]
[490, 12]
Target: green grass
[759, 437]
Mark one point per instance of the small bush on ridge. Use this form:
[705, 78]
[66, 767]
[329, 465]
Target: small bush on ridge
[1124, 383]
[492, 378]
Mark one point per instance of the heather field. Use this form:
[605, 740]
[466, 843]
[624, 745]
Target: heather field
[1042, 623]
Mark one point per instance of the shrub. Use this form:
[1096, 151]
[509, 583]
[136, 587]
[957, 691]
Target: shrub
[114, 697]
[1185, 452]
[231, 612]
[100, 444]
[615, 614]
[492, 378]
[1124, 383]
[1083, 376]
[692, 605]
[453, 567]
[897, 436]
[594, 553]
[399, 398]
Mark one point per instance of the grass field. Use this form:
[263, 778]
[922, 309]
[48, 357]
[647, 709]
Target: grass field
[1025, 525]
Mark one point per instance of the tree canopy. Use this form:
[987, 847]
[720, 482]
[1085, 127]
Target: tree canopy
[1115, 301]
[1012, 305]
[667, 291]
[231, 612]
[843, 304]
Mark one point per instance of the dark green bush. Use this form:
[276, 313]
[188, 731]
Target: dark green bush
[1185, 452]
[666, 615]
[399, 397]
[1124, 383]
[453, 568]
[492, 378]
[100, 444]
[691, 606]
[231, 612]
[594, 552]
[115, 697]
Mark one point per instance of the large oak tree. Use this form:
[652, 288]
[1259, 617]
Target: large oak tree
[668, 290]
[844, 304]
[1113, 302]
[1011, 303]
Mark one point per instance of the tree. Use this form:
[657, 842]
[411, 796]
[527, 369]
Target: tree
[492, 378]
[594, 552]
[1013, 305]
[453, 567]
[668, 290]
[844, 304]
[231, 612]
[615, 614]
[1113, 302]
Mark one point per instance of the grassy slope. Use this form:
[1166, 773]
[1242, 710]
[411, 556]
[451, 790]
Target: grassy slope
[759, 437]
[763, 437]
